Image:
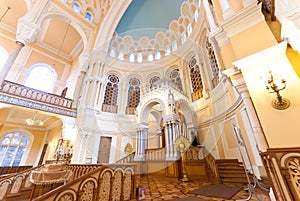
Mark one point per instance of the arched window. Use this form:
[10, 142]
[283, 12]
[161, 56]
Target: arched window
[139, 57]
[157, 55]
[111, 94]
[196, 79]
[150, 56]
[88, 16]
[113, 52]
[131, 57]
[175, 77]
[12, 148]
[3, 56]
[133, 95]
[153, 80]
[121, 55]
[190, 29]
[174, 45]
[168, 50]
[41, 77]
[183, 37]
[213, 63]
[76, 7]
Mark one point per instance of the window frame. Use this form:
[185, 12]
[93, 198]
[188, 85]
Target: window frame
[25, 155]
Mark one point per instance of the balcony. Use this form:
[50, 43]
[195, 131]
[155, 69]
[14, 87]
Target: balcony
[20, 95]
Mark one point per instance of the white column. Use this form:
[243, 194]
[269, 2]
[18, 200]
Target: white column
[142, 129]
[9, 62]
[209, 16]
[226, 9]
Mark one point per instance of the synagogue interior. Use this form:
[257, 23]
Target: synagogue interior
[149, 99]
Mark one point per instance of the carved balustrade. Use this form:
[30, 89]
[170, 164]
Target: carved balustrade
[155, 154]
[195, 153]
[109, 108]
[127, 159]
[21, 95]
[13, 185]
[112, 182]
[212, 168]
[130, 110]
[283, 169]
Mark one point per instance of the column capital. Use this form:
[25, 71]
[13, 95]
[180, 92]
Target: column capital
[142, 126]
[26, 31]
[84, 59]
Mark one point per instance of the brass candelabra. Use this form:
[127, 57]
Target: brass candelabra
[274, 84]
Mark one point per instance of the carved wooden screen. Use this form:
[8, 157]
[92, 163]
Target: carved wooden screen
[133, 95]
[175, 77]
[196, 79]
[213, 63]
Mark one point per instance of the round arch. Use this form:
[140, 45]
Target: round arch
[144, 110]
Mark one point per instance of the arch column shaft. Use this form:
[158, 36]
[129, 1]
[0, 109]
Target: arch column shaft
[209, 15]
[9, 62]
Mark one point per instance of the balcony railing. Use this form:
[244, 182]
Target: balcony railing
[17, 94]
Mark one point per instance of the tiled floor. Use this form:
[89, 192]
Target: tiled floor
[163, 188]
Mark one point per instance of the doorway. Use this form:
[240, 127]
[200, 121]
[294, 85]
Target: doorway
[104, 149]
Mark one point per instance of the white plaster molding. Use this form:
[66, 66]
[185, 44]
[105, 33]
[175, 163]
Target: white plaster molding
[290, 30]
[262, 56]
[243, 20]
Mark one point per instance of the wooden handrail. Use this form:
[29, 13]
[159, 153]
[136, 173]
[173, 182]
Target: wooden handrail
[107, 182]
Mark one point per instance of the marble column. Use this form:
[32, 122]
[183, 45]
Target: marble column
[9, 62]
[141, 140]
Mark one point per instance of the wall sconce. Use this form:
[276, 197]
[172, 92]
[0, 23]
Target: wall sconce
[274, 84]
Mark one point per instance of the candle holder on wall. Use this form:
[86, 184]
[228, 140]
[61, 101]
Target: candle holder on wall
[275, 84]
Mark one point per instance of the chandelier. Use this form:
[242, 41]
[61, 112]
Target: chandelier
[33, 121]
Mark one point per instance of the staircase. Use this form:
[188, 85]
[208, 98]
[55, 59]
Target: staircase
[231, 172]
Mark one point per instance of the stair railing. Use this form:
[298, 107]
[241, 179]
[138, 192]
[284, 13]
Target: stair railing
[13, 184]
[127, 159]
[109, 182]
[212, 167]
[155, 154]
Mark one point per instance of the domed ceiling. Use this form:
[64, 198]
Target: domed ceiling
[147, 17]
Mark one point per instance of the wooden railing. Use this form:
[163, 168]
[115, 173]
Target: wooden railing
[130, 110]
[4, 170]
[18, 186]
[11, 186]
[21, 95]
[283, 169]
[109, 108]
[195, 153]
[109, 182]
[127, 159]
[213, 173]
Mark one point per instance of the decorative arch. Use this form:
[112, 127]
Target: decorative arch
[146, 108]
